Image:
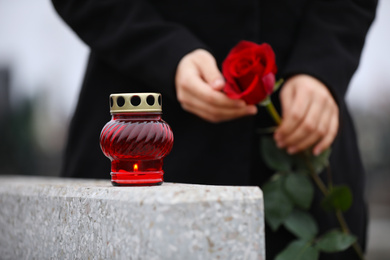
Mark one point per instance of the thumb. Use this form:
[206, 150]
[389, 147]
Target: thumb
[286, 97]
[210, 72]
[218, 84]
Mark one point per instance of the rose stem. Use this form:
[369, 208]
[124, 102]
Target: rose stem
[339, 215]
[343, 224]
[275, 115]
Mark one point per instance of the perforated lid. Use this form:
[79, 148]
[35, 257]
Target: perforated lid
[135, 102]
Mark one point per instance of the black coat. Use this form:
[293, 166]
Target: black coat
[137, 44]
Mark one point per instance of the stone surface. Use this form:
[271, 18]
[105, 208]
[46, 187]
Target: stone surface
[53, 218]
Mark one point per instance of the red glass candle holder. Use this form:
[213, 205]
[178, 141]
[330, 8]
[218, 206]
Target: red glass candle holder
[136, 139]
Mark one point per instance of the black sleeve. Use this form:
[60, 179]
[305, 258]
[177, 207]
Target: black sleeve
[131, 37]
[330, 41]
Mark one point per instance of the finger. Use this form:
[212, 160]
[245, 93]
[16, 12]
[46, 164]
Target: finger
[199, 91]
[207, 66]
[306, 134]
[309, 135]
[231, 114]
[218, 84]
[195, 74]
[202, 98]
[298, 107]
[293, 117]
[198, 98]
[216, 115]
[328, 139]
[316, 124]
[219, 99]
[286, 97]
[190, 85]
[319, 128]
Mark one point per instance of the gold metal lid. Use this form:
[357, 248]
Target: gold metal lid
[135, 102]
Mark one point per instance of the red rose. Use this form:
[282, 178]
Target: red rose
[249, 70]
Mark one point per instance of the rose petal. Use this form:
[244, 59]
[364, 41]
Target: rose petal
[242, 45]
[268, 58]
[249, 70]
[245, 80]
[269, 83]
[231, 91]
[254, 94]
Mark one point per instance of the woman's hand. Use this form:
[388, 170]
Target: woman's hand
[198, 86]
[310, 116]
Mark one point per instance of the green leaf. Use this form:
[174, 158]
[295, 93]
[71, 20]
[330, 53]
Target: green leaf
[275, 158]
[298, 250]
[278, 84]
[301, 224]
[265, 101]
[300, 189]
[338, 198]
[277, 205]
[335, 241]
[321, 161]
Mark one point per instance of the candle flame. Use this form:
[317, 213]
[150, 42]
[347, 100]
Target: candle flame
[135, 168]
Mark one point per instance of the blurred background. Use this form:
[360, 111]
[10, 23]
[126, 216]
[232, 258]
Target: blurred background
[41, 68]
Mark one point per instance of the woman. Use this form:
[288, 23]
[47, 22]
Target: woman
[176, 48]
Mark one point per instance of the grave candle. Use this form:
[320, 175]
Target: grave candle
[136, 139]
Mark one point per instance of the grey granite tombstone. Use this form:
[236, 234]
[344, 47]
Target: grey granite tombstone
[53, 218]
